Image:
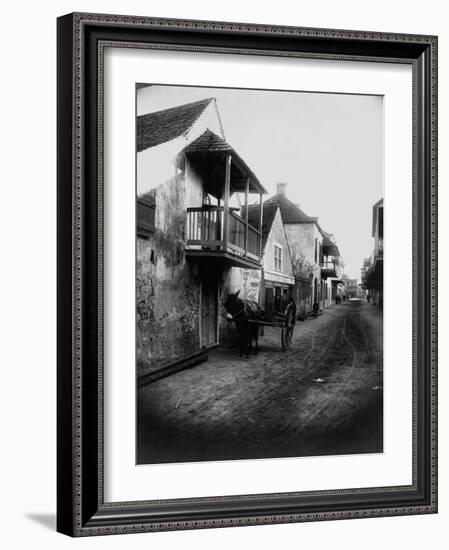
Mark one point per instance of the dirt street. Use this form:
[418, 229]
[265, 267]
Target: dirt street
[322, 396]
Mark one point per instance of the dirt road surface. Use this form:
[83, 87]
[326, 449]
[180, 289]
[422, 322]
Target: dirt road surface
[322, 396]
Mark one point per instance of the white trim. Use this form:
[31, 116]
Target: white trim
[278, 245]
[275, 276]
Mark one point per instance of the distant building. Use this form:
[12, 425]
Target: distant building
[331, 270]
[373, 267]
[351, 288]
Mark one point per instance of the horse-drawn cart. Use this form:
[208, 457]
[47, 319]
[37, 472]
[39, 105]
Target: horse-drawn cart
[248, 318]
[285, 321]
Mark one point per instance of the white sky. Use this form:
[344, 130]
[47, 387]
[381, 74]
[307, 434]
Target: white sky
[327, 147]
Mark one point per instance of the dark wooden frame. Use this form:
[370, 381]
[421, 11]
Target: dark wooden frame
[81, 510]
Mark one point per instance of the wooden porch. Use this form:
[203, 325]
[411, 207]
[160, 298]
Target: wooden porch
[208, 234]
[218, 230]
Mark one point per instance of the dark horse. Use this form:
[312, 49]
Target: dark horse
[242, 313]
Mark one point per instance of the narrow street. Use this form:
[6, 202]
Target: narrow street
[322, 396]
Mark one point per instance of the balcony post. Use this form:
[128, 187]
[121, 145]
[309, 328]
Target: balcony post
[218, 236]
[260, 226]
[227, 194]
[246, 216]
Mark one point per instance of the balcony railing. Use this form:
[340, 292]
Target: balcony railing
[379, 250]
[206, 231]
[328, 264]
[328, 268]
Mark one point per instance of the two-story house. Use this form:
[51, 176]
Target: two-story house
[314, 255]
[193, 245]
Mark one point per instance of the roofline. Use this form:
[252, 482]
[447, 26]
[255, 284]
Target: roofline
[183, 135]
[212, 100]
[296, 223]
[208, 99]
[286, 238]
[236, 159]
[219, 118]
[278, 209]
[194, 123]
[320, 229]
[245, 168]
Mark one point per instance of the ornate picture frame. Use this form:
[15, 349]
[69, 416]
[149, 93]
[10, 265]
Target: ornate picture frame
[81, 507]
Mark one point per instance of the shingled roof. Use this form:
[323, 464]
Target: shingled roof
[162, 126]
[290, 212]
[293, 214]
[269, 213]
[209, 142]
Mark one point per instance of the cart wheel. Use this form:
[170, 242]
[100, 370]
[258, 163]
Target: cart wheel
[287, 330]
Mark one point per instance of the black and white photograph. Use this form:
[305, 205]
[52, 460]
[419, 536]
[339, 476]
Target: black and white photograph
[259, 273]
[202, 346]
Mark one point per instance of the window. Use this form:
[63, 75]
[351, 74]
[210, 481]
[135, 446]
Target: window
[145, 216]
[277, 257]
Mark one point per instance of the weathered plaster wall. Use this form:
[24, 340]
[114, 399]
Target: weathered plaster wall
[157, 164]
[303, 297]
[167, 288]
[245, 280]
[194, 186]
[301, 238]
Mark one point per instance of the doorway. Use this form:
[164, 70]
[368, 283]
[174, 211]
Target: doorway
[209, 313]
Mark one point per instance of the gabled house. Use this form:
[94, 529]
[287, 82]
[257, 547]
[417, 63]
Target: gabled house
[277, 280]
[192, 242]
[314, 255]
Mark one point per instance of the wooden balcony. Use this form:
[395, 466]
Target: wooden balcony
[328, 269]
[219, 232]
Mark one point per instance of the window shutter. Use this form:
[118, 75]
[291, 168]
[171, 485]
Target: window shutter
[145, 216]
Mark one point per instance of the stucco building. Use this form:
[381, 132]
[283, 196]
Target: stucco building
[315, 256]
[193, 245]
